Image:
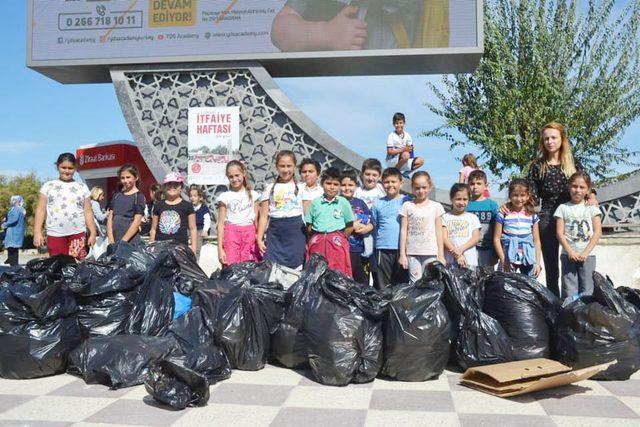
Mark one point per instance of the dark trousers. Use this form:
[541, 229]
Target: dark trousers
[357, 269]
[389, 269]
[550, 248]
[12, 256]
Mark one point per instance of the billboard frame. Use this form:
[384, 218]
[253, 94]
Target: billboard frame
[285, 64]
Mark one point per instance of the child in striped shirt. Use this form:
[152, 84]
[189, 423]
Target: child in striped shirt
[516, 235]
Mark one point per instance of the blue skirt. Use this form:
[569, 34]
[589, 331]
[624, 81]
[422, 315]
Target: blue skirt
[286, 241]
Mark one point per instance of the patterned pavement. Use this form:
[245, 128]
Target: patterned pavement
[282, 397]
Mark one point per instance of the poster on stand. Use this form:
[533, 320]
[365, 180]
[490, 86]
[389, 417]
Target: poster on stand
[213, 140]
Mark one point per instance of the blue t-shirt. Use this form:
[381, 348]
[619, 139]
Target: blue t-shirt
[362, 213]
[387, 221]
[486, 211]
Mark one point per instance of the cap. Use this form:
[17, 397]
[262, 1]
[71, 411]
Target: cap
[173, 177]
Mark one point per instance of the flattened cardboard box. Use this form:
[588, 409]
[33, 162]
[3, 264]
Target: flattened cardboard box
[525, 376]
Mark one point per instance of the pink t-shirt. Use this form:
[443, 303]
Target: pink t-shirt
[421, 227]
[465, 171]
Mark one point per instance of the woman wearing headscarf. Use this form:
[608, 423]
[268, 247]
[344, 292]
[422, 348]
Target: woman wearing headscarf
[14, 229]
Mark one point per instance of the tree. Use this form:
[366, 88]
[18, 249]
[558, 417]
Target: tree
[547, 61]
[27, 186]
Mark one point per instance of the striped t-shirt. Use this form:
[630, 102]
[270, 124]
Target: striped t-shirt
[517, 223]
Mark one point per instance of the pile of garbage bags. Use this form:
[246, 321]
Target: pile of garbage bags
[599, 328]
[149, 315]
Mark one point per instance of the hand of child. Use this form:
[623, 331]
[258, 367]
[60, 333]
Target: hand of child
[536, 270]
[461, 260]
[506, 266]
[91, 240]
[504, 209]
[222, 257]
[345, 32]
[441, 259]
[357, 226]
[403, 261]
[261, 246]
[37, 239]
[456, 252]
[575, 257]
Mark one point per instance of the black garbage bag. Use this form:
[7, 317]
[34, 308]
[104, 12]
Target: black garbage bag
[106, 290]
[417, 330]
[38, 323]
[525, 309]
[153, 308]
[631, 295]
[242, 317]
[254, 272]
[189, 276]
[343, 330]
[119, 361]
[176, 386]
[289, 345]
[600, 328]
[200, 353]
[481, 340]
[461, 288]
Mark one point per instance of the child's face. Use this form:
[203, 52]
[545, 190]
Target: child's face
[578, 190]
[421, 188]
[398, 125]
[172, 190]
[348, 187]
[286, 168]
[331, 187]
[194, 197]
[552, 140]
[459, 201]
[477, 187]
[309, 175]
[235, 175]
[66, 170]
[370, 179]
[127, 180]
[392, 185]
[519, 197]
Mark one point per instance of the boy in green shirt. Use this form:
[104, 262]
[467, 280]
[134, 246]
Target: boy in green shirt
[329, 222]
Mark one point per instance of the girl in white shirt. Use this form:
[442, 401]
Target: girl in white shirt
[281, 207]
[66, 206]
[237, 213]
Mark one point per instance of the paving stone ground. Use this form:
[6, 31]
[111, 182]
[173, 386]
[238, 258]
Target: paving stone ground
[282, 397]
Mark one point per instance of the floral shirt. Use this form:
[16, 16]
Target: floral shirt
[552, 189]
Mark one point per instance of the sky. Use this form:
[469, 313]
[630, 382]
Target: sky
[42, 118]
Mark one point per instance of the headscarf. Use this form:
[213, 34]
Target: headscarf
[18, 202]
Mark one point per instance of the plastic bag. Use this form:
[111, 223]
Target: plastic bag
[174, 385]
[196, 341]
[600, 328]
[243, 317]
[525, 309]
[417, 330]
[189, 276]
[343, 330]
[153, 308]
[119, 361]
[106, 290]
[38, 324]
[289, 345]
[631, 295]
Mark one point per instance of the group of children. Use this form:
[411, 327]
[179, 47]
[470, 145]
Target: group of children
[370, 233]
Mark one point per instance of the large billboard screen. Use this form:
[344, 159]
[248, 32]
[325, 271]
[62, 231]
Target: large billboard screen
[107, 32]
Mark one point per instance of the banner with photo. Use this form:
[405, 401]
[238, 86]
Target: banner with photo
[213, 140]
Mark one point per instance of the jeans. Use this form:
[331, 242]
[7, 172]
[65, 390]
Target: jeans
[577, 277]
